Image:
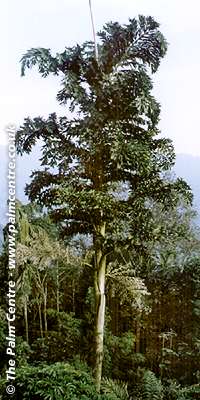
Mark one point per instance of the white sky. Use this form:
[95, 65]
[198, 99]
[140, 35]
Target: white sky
[58, 23]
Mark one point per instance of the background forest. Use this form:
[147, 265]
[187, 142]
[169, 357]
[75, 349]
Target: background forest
[107, 249]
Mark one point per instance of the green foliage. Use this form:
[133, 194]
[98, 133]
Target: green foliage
[120, 360]
[174, 391]
[108, 142]
[2, 328]
[23, 352]
[63, 342]
[126, 342]
[113, 138]
[3, 333]
[115, 390]
[152, 388]
[62, 381]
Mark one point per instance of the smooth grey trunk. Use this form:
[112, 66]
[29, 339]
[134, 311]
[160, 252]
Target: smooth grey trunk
[57, 290]
[138, 334]
[26, 317]
[100, 302]
[73, 295]
[58, 296]
[99, 274]
[40, 319]
[45, 309]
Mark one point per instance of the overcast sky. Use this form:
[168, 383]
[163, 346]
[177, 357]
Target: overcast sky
[58, 23]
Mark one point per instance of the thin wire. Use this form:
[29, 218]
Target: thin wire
[93, 30]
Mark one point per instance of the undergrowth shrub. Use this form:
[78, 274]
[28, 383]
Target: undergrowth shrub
[174, 391]
[152, 388]
[115, 389]
[61, 381]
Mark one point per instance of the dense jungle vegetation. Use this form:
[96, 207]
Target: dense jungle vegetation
[107, 250]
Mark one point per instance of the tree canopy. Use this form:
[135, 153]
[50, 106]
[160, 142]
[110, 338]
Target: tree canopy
[104, 162]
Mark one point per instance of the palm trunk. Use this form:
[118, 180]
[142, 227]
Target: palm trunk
[138, 333]
[26, 318]
[99, 285]
[40, 319]
[73, 296]
[45, 310]
[57, 290]
[58, 297]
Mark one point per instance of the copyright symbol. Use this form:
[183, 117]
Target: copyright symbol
[10, 389]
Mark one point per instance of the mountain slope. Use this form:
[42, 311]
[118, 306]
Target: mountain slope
[188, 167]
